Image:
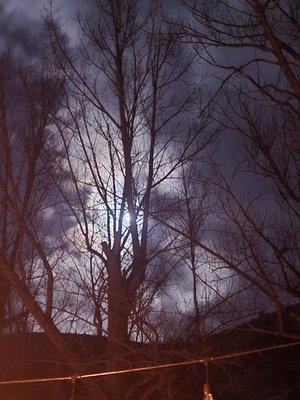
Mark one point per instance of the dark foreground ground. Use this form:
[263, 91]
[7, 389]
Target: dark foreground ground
[272, 375]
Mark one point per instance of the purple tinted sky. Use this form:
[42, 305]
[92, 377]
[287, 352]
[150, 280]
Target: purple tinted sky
[20, 20]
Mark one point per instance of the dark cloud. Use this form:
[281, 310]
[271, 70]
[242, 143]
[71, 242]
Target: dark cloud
[21, 22]
[21, 29]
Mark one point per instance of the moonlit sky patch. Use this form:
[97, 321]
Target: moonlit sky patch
[21, 23]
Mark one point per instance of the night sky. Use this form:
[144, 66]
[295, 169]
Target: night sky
[149, 189]
[21, 22]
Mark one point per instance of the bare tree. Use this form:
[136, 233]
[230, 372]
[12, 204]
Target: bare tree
[258, 100]
[28, 103]
[25, 115]
[128, 124]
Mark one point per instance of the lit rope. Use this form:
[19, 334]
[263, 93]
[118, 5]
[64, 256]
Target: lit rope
[153, 367]
[206, 389]
[73, 379]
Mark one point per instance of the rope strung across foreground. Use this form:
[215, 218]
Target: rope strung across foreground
[73, 377]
